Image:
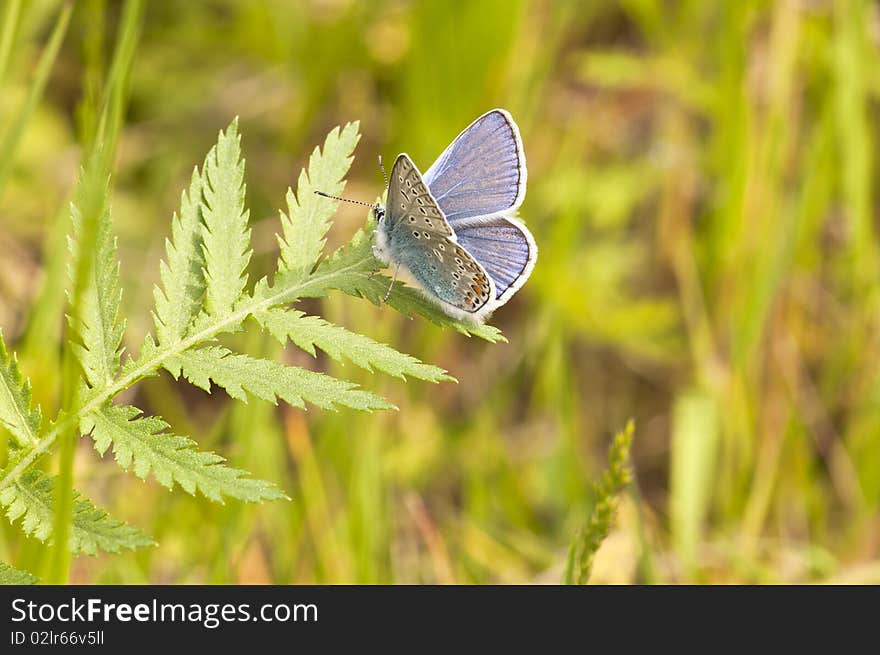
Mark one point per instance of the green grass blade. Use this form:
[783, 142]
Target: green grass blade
[91, 201]
[692, 470]
[7, 34]
[15, 131]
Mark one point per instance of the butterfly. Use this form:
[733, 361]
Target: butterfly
[454, 229]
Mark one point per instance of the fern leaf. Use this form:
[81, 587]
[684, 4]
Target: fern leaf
[12, 576]
[307, 332]
[183, 281]
[352, 270]
[16, 413]
[143, 444]
[31, 498]
[96, 321]
[225, 233]
[240, 375]
[308, 215]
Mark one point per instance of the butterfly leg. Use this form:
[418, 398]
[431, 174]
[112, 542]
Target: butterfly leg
[376, 256]
[391, 286]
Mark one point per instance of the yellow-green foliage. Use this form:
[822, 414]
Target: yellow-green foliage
[703, 189]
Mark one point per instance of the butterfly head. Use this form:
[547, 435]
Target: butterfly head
[379, 213]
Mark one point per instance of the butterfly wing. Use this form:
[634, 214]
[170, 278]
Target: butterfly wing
[411, 202]
[480, 175]
[482, 172]
[504, 247]
[416, 236]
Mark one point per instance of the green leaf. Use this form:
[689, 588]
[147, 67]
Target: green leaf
[16, 413]
[352, 269]
[308, 215]
[225, 233]
[31, 498]
[143, 444]
[308, 332]
[96, 320]
[12, 576]
[183, 279]
[240, 375]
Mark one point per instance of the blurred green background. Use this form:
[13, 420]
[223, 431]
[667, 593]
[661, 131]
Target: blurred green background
[701, 187]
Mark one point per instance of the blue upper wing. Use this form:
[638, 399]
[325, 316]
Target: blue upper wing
[483, 171]
[504, 247]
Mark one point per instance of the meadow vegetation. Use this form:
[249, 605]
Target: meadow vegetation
[702, 189]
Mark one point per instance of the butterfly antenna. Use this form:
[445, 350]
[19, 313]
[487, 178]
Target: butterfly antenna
[384, 175]
[354, 202]
[391, 286]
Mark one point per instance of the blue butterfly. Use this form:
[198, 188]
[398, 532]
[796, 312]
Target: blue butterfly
[453, 228]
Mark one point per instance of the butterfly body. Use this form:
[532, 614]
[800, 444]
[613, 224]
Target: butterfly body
[452, 229]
